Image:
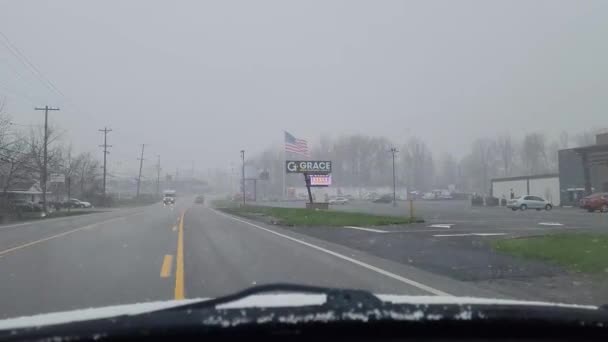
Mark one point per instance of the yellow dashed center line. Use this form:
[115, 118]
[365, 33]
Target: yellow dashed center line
[179, 261]
[165, 269]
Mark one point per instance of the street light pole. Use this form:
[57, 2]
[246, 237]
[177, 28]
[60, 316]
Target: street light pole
[243, 174]
[393, 152]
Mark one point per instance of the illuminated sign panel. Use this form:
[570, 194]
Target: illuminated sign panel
[320, 180]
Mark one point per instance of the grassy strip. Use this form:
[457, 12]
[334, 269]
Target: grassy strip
[36, 216]
[64, 213]
[578, 252]
[307, 217]
[223, 203]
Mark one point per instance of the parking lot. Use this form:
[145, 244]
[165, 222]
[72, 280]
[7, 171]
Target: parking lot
[455, 241]
[457, 215]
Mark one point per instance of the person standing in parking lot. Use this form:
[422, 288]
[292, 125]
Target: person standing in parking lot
[512, 194]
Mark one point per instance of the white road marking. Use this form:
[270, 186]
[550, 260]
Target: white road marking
[89, 226]
[469, 234]
[367, 229]
[442, 225]
[550, 224]
[344, 257]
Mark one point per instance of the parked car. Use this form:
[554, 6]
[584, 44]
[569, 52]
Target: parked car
[76, 203]
[384, 199]
[200, 199]
[593, 202]
[338, 200]
[529, 202]
[371, 196]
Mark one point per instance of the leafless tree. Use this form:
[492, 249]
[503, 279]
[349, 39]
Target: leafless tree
[447, 171]
[534, 154]
[15, 165]
[506, 153]
[584, 139]
[564, 140]
[483, 164]
[418, 164]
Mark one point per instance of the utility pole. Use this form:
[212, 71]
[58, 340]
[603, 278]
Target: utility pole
[45, 156]
[158, 176]
[141, 164]
[393, 152]
[243, 174]
[105, 146]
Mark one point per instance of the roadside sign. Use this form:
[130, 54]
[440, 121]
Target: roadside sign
[308, 166]
[320, 180]
[57, 178]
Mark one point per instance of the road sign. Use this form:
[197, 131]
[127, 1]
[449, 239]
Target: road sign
[57, 178]
[320, 180]
[308, 166]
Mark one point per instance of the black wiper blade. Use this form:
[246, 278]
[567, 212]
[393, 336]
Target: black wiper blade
[335, 297]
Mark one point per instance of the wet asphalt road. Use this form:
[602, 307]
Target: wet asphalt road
[161, 253]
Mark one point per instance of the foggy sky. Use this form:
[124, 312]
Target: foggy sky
[200, 80]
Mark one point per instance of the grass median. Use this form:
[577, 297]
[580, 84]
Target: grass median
[578, 252]
[308, 217]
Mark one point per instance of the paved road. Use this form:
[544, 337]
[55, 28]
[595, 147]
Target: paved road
[159, 253]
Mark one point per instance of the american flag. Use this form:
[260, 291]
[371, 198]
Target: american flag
[299, 146]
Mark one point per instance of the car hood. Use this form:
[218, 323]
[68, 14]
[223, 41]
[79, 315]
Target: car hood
[263, 300]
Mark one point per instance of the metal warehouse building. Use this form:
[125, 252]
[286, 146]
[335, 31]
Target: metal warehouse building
[546, 186]
[583, 170]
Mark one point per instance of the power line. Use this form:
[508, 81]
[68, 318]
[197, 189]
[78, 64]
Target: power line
[33, 69]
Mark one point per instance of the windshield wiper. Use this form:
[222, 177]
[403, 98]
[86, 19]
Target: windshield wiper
[335, 297]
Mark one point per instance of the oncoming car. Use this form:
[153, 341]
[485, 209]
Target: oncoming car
[169, 197]
[529, 202]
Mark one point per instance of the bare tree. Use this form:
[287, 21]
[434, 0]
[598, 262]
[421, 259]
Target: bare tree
[418, 164]
[506, 153]
[448, 170]
[552, 156]
[36, 150]
[584, 139]
[564, 140]
[534, 154]
[483, 164]
[87, 170]
[15, 165]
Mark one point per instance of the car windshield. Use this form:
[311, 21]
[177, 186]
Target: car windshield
[425, 148]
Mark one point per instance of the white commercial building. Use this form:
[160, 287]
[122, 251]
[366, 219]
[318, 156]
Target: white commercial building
[545, 186]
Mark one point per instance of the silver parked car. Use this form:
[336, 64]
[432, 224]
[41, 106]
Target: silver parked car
[529, 202]
[338, 200]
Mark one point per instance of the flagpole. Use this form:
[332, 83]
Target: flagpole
[284, 195]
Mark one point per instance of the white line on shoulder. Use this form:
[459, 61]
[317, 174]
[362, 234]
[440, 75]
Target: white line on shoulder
[344, 257]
